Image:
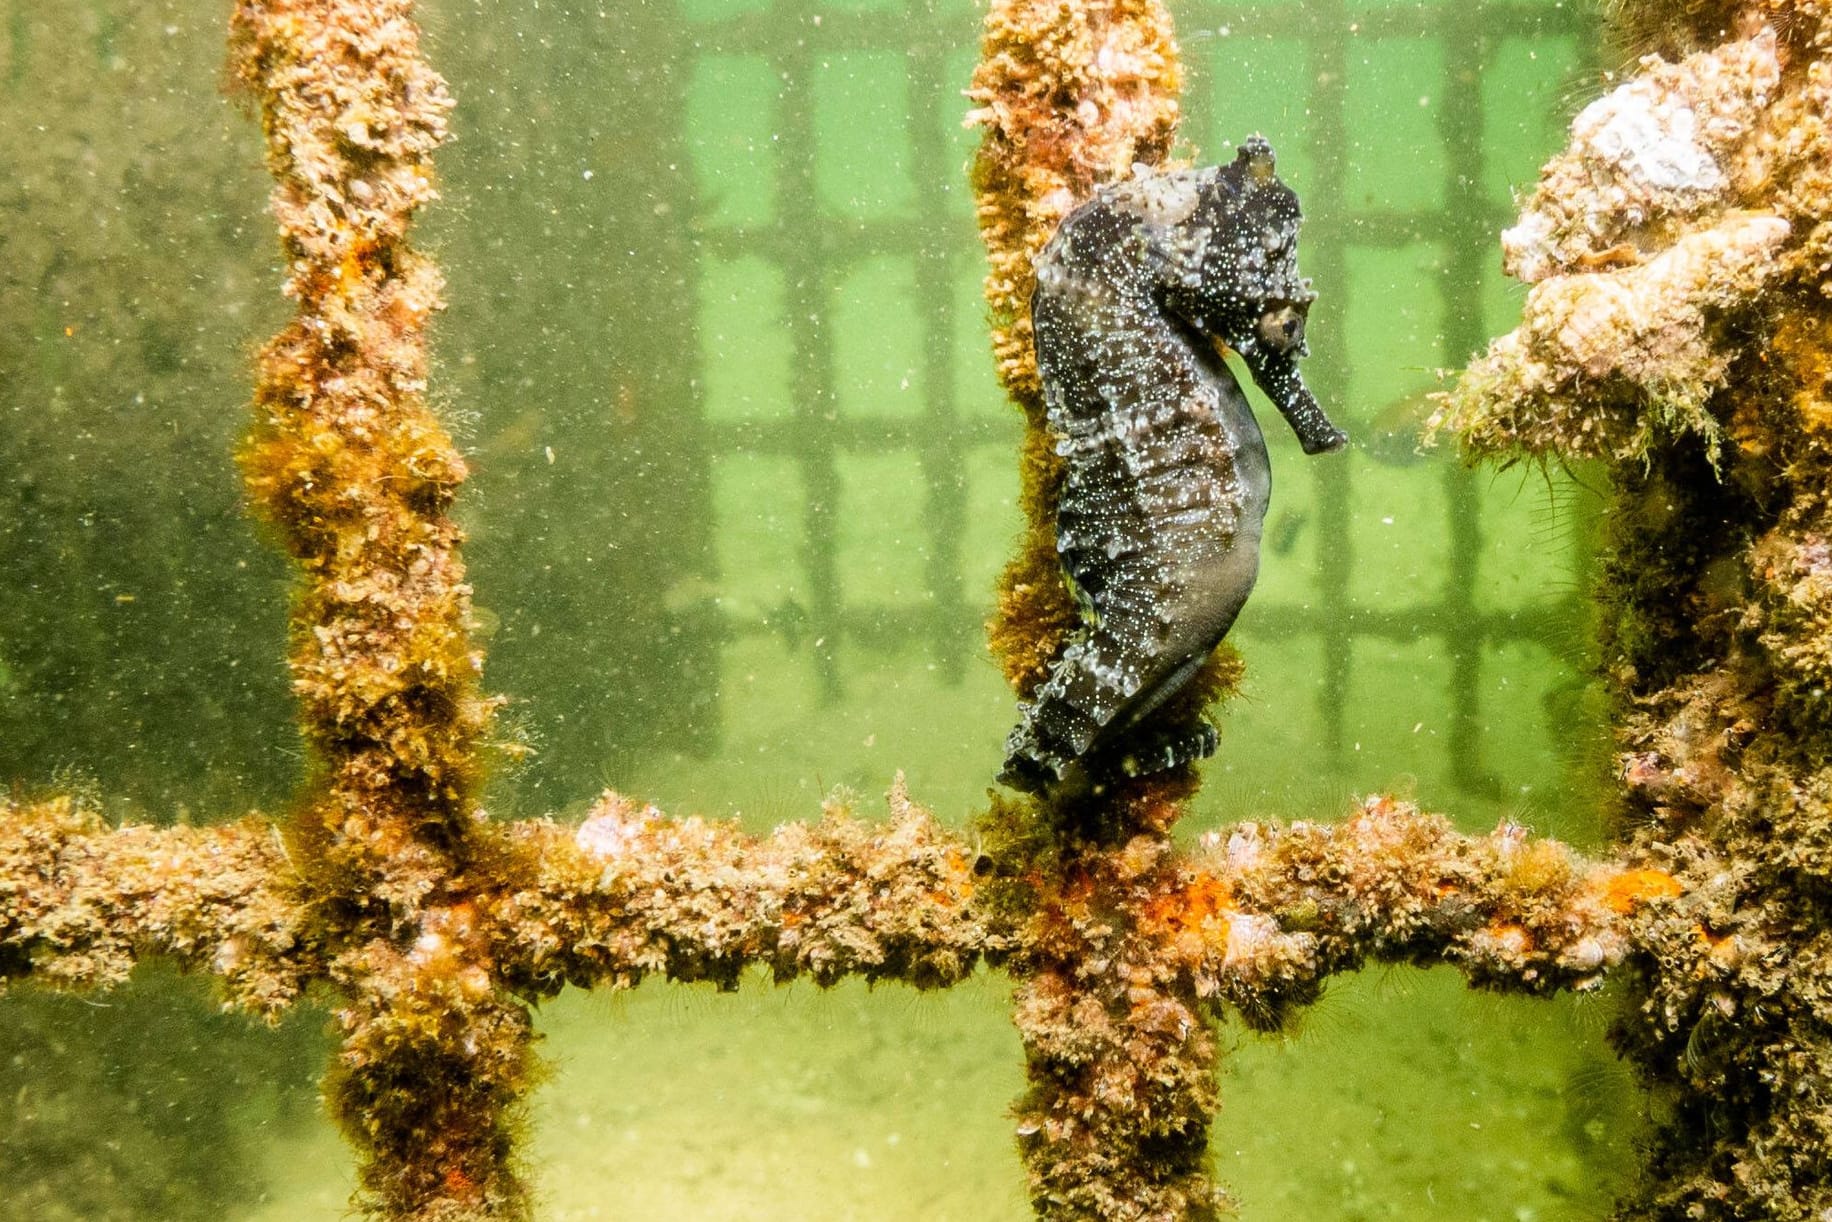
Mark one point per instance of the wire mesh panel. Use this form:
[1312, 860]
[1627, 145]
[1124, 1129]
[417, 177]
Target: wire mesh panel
[839, 259]
[1409, 125]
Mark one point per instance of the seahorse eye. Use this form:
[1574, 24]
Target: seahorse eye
[1282, 329]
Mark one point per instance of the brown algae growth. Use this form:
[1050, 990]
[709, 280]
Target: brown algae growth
[434, 929]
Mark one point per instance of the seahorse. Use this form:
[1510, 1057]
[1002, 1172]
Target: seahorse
[1166, 477]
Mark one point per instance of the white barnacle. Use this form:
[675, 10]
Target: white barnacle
[1249, 937]
[1587, 954]
[614, 827]
[1650, 138]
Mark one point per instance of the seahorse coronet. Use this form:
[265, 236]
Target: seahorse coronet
[1166, 477]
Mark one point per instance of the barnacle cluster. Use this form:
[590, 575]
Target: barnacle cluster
[80, 902]
[617, 898]
[1650, 244]
[1129, 951]
[1072, 96]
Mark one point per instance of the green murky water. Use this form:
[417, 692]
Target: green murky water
[742, 481]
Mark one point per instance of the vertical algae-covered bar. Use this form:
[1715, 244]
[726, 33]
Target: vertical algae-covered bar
[355, 473]
[1121, 1063]
[1071, 96]
[1676, 329]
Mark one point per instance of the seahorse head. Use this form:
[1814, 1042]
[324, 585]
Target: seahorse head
[1230, 272]
[1234, 273]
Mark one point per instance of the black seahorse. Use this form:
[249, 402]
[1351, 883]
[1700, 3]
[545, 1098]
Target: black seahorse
[1166, 476]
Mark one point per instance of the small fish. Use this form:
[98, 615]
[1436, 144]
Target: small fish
[1396, 435]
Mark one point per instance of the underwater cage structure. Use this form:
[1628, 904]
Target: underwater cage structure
[1675, 335]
